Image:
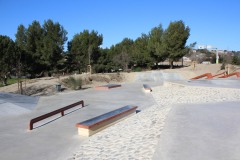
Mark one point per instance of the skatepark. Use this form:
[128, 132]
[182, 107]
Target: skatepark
[184, 117]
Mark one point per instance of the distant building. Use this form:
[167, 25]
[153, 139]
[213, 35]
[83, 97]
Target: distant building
[186, 59]
[202, 47]
[208, 47]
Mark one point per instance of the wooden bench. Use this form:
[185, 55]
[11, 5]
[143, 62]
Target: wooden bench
[147, 88]
[96, 124]
[61, 110]
[107, 87]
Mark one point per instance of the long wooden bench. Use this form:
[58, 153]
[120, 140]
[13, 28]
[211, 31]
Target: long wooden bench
[147, 88]
[61, 110]
[96, 124]
[107, 87]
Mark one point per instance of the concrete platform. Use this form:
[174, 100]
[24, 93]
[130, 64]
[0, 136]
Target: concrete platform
[203, 131]
[57, 136]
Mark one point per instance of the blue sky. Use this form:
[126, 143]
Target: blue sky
[215, 23]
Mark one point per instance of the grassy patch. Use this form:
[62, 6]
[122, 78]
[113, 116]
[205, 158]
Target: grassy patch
[11, 81]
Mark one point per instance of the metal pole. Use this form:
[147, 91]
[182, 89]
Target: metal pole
[217, 57]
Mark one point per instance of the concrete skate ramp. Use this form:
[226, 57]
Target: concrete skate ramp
[231, 83]
[15, 104]
[201, 131]
[156, 76]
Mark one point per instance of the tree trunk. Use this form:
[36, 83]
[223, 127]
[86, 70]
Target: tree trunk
[171, 64]
[5, 80]
[126, 67]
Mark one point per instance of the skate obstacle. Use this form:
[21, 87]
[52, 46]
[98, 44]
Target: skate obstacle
[107, 87]
[207, 75]
[210, 76]
[147, 88]
[61, 110]
[96, 124]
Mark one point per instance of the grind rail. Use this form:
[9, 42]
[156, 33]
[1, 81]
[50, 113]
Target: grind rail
[61, 110]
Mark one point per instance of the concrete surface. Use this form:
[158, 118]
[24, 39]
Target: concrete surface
[201, 131]
[57, 136]
[15, 104]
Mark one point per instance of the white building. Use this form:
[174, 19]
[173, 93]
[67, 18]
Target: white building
[208, 47]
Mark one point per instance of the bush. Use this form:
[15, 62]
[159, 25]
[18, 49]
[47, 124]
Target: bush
[137, 69]
[74, 83]
[222, 66]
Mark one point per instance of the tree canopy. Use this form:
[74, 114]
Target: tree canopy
[155, 44]
[7, 57]
[39, 49]
[41, 46]
[84, 48]
[174, 41]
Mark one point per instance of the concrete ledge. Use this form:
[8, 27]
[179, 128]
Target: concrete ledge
[147, 88]
[107, 87]
[96, 124]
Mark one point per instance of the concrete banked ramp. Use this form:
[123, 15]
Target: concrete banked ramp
[15, 104]
[157, 76]
[201, 132]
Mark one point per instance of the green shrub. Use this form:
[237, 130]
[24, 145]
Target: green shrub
[74, 83]
[137, 69]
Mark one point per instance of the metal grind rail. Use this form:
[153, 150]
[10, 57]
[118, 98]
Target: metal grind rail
[61, 110]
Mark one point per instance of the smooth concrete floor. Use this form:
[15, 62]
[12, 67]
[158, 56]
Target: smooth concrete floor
[57, 136]
[201, 132]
